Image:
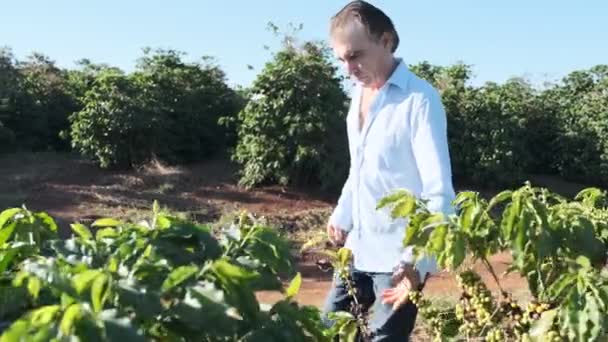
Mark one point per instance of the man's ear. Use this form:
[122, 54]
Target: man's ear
[387, 40]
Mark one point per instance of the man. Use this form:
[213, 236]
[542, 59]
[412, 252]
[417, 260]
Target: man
[397, 140]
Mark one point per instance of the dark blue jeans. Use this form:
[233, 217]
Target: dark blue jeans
[385, 323]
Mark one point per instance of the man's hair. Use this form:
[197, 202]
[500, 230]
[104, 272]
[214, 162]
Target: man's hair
[372, 18]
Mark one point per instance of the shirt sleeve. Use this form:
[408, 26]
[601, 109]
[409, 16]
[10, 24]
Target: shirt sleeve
[342, 216]
[431, 153]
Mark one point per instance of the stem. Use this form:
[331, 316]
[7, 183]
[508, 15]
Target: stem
[552, 271]
[363, 327]
[491, 270]
[540, 279]
[489, 320]
[350, 288]
[247, 236]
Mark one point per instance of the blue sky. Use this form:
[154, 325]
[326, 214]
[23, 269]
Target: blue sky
[541, 40]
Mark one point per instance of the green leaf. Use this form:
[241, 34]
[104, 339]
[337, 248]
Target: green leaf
[45, 333]
[48, 221]
[6, 232]
[178, 276]
[204, 315]
[112, 265]
[404, 207]
[412, 232]
[235, 280]
[591, 196]
[233, 272]
[82, 231]
[396, 196]
[583, 325]
[44, 315]
[522, 230]
[147, 304]
[208, 290]
[438, 238]
[583, 262]
[466, 218]
[499, 198]
[162, 222]
[268, 247]
[82, 280]
[545, 244]
[510, 215]
[586, 242]
[596, 317]
[344, 256]
[7, 215]
[464, 197]
[6, 257]
[348, 333]
[16, 332]
[340, 315]
[106, 222]
[33, 286]
[66, 299]
[294, 286]
[561, 285]
[100, 292]
[105, 233]
[20, 277]
[540, 328]
[458, 250]
[71, 314]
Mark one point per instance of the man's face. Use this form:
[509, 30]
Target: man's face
[363, 57]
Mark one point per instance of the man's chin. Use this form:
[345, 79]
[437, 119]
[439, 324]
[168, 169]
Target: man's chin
[363, 80]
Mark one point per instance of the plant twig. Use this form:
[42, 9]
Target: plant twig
[491, 270]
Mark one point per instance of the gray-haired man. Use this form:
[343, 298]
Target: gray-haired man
[397, 140]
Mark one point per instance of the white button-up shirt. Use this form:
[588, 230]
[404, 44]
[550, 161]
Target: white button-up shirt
[402, 145]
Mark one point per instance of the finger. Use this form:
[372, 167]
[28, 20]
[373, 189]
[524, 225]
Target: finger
[331, 233]
[388, 294]
[401, 301]
[391, 298]
[339, 234]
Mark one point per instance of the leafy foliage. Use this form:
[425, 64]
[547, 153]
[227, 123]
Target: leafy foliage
[558, 245]
[292, 130]
[582, 105]
[500, 133]
[159, 279]
[487, 125]
[8, 78]
[168, 109]
[34, 103]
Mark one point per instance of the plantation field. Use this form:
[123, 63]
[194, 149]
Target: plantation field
[73, 190]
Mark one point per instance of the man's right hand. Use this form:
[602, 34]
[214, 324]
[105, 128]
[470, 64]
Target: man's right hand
[336, 235]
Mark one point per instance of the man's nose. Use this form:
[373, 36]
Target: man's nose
[351, 67]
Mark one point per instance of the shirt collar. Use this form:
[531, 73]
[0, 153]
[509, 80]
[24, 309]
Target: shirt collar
[400, 75]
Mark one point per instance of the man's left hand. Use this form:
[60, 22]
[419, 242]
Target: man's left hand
[405, 279]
